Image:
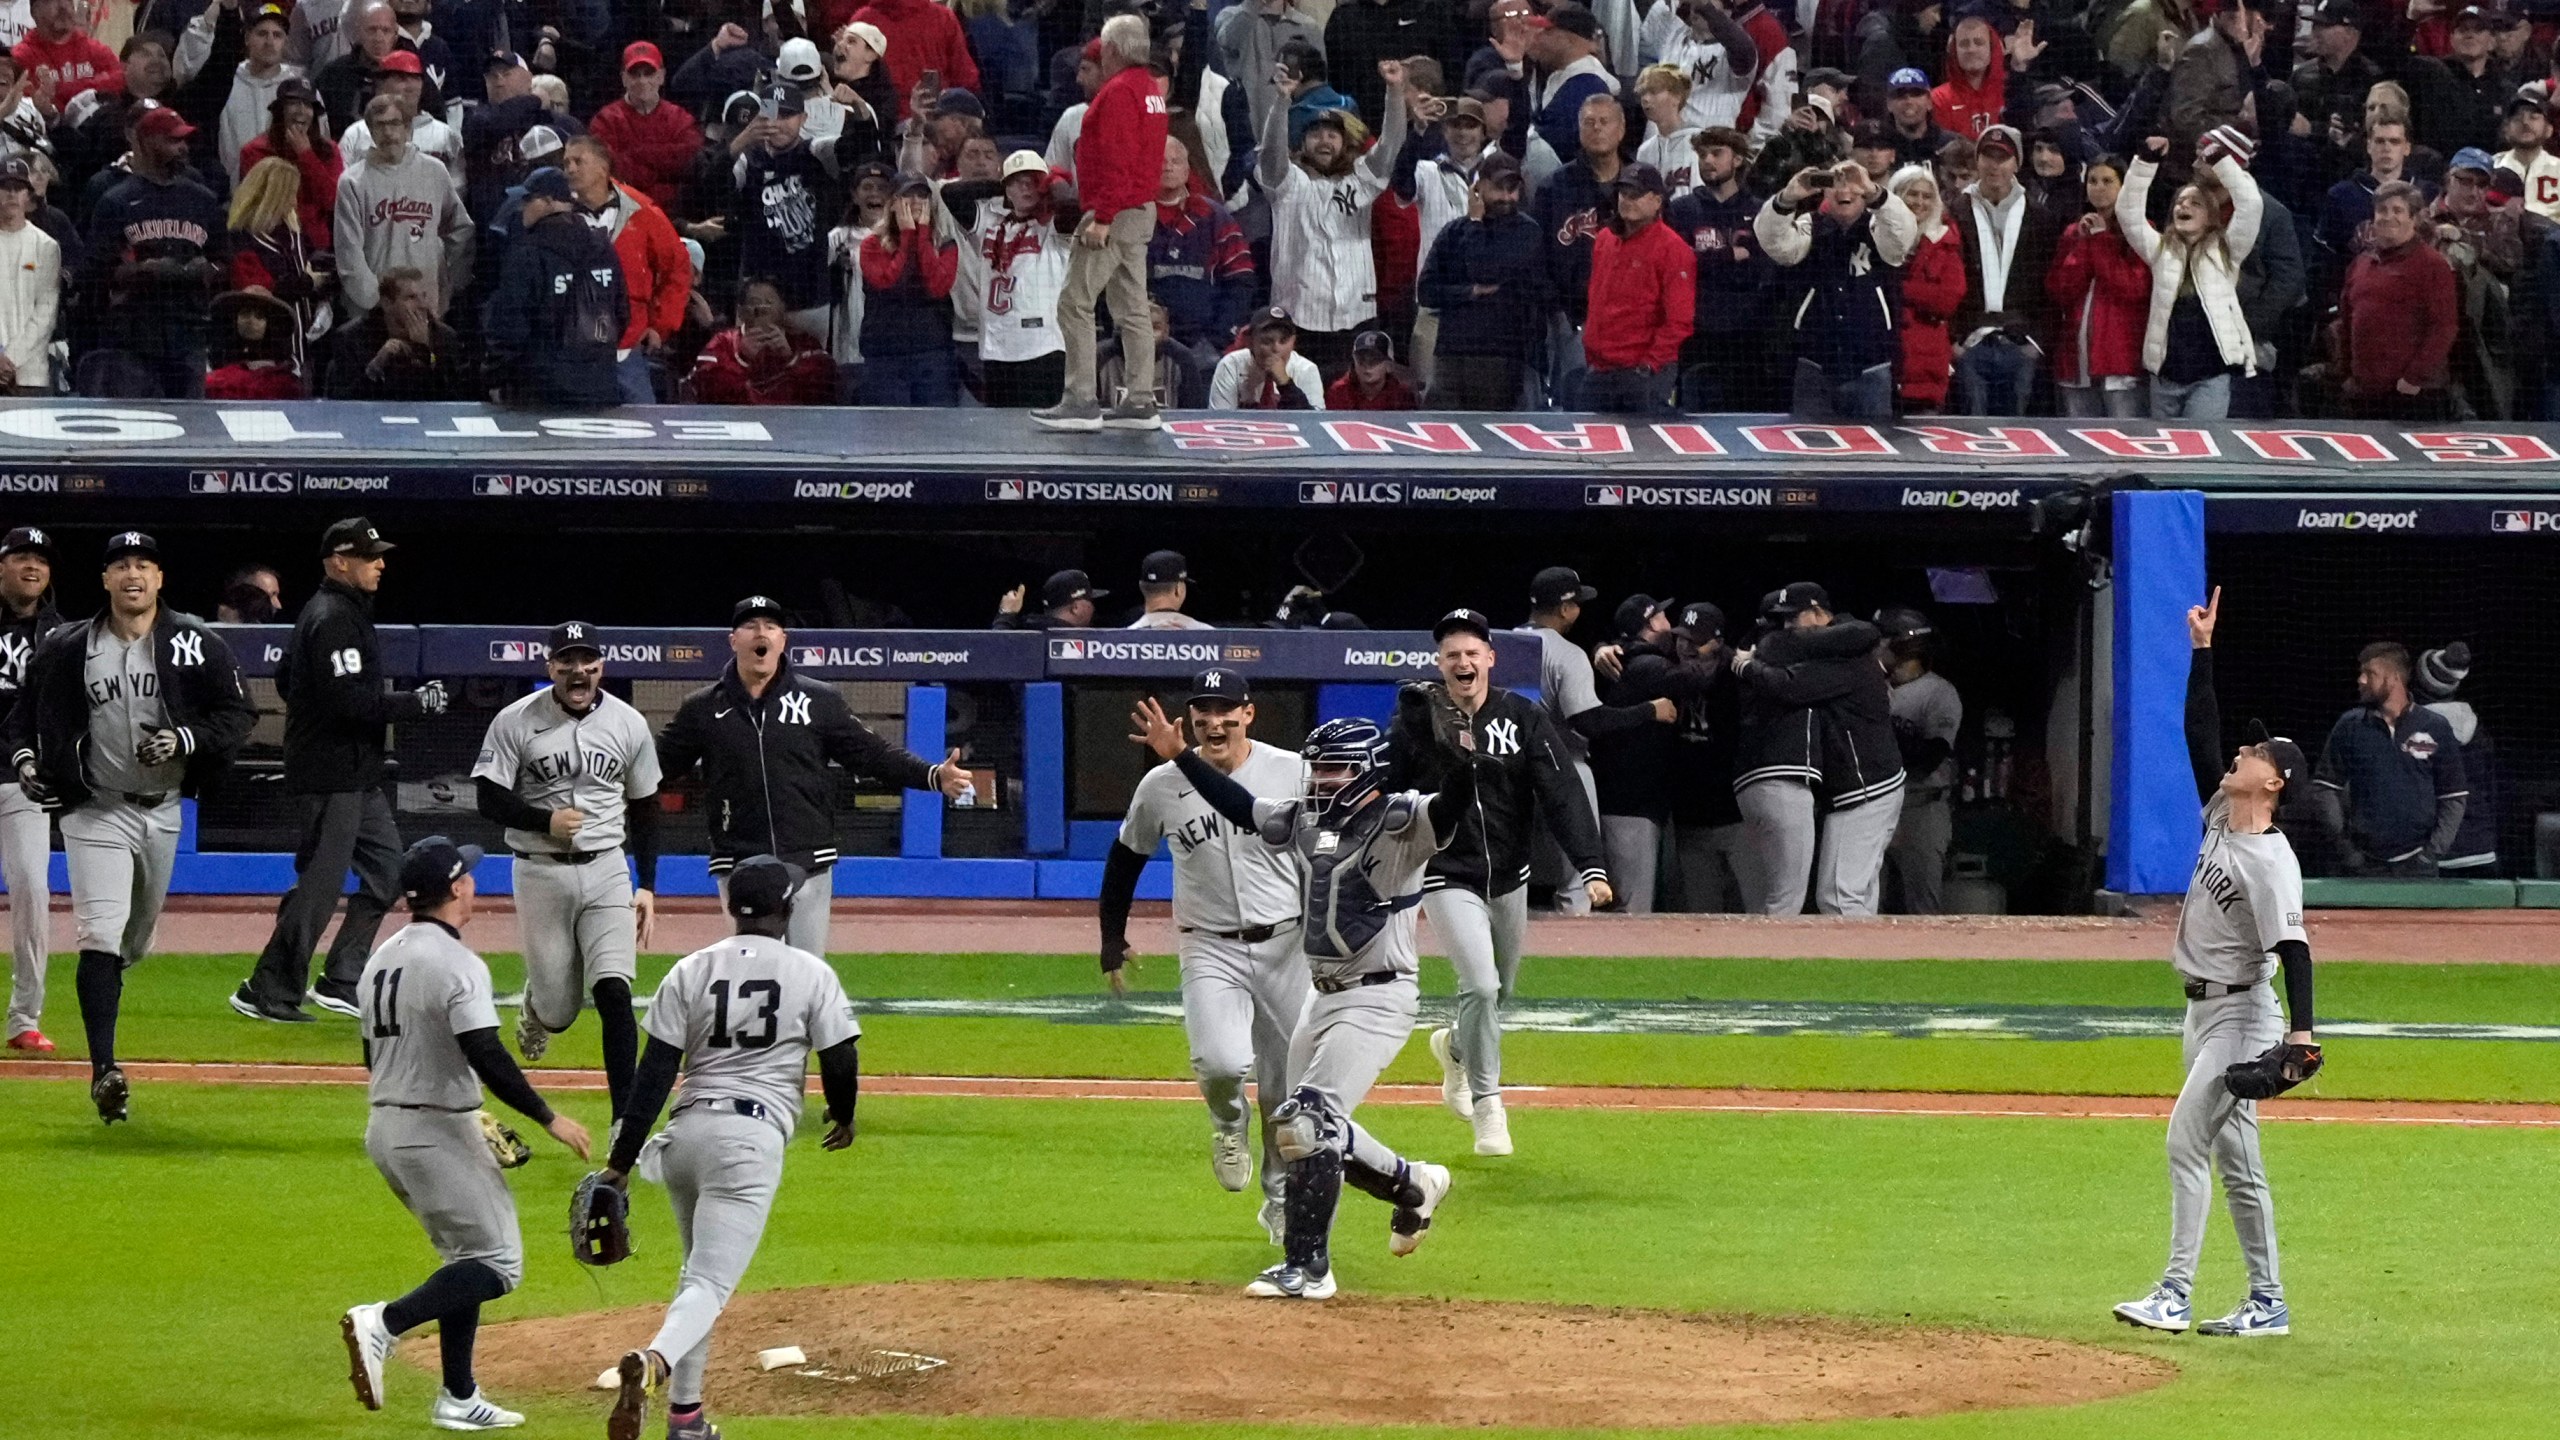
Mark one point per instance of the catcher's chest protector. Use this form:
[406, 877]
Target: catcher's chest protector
[1345, 913]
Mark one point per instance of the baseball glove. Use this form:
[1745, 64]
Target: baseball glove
[599, 1222]
[1428, 710]
[2275, 1070]
[506, 1145]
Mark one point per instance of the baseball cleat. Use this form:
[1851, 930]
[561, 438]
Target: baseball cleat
[2257, 1315]
[639, 1374]
[532, 1041]
[475, 1413]
[32, 1042]
[1453, 1078]
[2165, 1308]
[1287, 1282]
[109, 1092]
[1407, 1226]
[697, 1428]
[1068, 415]
[335, 998]
[1493, 1127]
[1275, 1219]
[258, 1007]
[368, 1345]
[1229, 1159]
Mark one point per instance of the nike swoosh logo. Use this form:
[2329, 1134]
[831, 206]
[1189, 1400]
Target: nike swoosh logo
[720, 714]
[1181, 794]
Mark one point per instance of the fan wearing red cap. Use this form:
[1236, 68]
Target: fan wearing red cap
[653, 142]
[148, 254]
[58, 48]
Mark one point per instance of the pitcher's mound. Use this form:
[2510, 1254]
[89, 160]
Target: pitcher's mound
[1124, 1350]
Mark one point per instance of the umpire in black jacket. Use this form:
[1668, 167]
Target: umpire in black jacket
[763, 734]
[1817, 723]
[1476, 891]
[338, 705]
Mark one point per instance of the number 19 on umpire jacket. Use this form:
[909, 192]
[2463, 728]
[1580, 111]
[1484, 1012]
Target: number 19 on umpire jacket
[764, 764]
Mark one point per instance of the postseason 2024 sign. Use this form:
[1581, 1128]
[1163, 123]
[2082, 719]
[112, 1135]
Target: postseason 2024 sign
[66, 460]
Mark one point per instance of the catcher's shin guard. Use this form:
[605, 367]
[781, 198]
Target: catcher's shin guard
[1397, 1189]
[1314, 1192]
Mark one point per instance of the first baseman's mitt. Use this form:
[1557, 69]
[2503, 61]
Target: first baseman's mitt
[2275, 1070]
[505, 1145]
[599, 1221]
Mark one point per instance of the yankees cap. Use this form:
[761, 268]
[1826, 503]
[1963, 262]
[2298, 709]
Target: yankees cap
[1702, 620]
[754, 606]
[354, 535]
[1067, 587]
[27, 537]
[131, 542]
[1163, 567]
[761, 885]
[1794, 600]
[1637, 609]
[429, 869]
[1557, 584]
[1470, 621]
[570, 636]
[1218, 685]
[2282, 753]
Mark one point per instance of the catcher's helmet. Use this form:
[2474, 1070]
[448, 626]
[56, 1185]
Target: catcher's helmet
[1352, 743]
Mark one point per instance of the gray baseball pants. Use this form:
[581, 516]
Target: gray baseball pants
[1715, 868]
[119, 855]
[812, 906]
[1345, 1041]
[1483, 938]
[439, 1166]
[2211, 1129]
[1918, 854]
[1634, 847]
[1240, 1006]
[1848, 868]
[1778, 826]
[1549, 865]
[578, 928]
[26, 842]
[721, 1169]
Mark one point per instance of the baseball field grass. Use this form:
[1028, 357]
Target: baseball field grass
[181, 1275]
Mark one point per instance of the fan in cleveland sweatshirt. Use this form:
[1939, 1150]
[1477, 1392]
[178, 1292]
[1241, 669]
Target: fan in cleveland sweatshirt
[399, 206]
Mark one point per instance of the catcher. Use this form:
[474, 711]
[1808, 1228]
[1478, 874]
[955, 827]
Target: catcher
[2241, 921]
[430, 1028]
[741, 1017]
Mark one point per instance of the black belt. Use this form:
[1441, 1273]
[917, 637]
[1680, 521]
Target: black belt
[752, 1109]
[1326, 985]
[2215, 989]
[564, 857]
[152, 801]
[1251, 934]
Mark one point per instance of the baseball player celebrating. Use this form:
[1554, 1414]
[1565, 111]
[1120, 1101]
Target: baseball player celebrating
[567, 769]
[27, 615]
[430, 1029]
[1363, 851]
[2241, 921]
[742, 1018]
[763, 734]
[120, 716]
[1477, 890]
[1235, 902]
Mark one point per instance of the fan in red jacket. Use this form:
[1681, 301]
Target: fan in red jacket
[255, 330]
[1977, 83]
[1932, 288]
[761, 361]
[656, 272]
[1374, 381]
[61, 61]
[654, 143]
[2102, 291]
[924, 36]
[1644, 300]
[2398, 316]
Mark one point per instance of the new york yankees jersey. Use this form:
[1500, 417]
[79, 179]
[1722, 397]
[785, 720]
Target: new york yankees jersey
[596, 762]
[1362, 889]
[419, 990]
[1223, 878]
[1322, 269]
[1716, 89]
[123, 680]
[747, 1012]
[2245, 898]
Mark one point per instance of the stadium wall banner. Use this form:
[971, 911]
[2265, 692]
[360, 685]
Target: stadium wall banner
[859, 461]
[921, 656]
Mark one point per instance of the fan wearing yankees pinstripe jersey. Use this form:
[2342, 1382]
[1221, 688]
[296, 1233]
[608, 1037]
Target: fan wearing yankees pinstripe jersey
[1322, 271]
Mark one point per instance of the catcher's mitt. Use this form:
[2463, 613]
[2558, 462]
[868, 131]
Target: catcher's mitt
[505, 1145]
[2275, 1070]
[599, 1222]
[1428, 710]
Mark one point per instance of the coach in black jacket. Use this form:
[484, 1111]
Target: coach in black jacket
[763, 734]
[1633, 769]
[338, 708]
[1476, 891]
[1818, 719]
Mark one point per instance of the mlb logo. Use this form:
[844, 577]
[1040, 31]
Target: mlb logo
[493, 484]
[208, 482]
[1319, 492]
[808, 655]
[1066, 649]
[510, 652]
[2511, 522]
[1004, 489]
[1604, 494]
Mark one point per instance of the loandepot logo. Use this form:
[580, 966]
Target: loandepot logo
[2357, 520]
[1679, 495]
[853, 490]
[1913, 499]
[2523, 522]
[1391, 659]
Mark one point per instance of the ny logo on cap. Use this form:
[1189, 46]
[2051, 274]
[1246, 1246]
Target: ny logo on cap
[1213, 681]
[37, 537]
[574, 631]
[130, 537]
[760, 601]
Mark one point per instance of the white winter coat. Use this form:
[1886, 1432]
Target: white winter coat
[2216, 264]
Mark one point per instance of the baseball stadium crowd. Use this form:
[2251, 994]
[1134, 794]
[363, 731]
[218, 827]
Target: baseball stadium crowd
[1845, 207]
